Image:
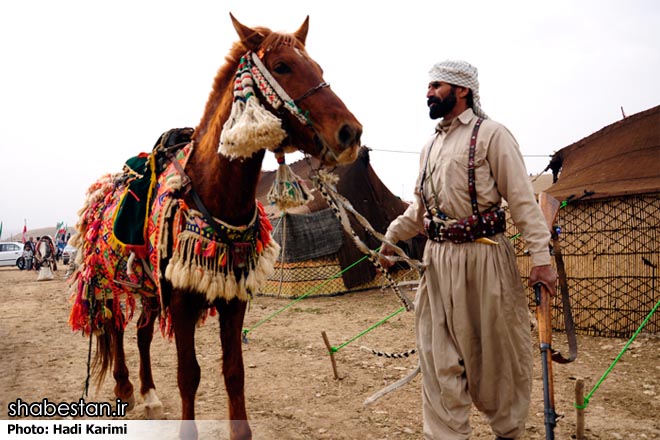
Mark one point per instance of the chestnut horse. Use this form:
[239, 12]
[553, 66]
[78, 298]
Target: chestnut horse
[289, 87]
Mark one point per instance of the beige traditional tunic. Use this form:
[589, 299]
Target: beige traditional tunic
[472, 319]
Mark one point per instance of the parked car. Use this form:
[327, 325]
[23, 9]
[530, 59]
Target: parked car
[68, 254]
[10, 252]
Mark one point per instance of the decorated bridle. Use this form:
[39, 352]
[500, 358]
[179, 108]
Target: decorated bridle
[251, 127]
[275, 93]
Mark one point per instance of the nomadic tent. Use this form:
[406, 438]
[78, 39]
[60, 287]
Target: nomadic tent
[610, 226]
[317, 254]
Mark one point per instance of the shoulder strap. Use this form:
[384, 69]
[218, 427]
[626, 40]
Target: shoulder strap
[429, 144]
[471, 181]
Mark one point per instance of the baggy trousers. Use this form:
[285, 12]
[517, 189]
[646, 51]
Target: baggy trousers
[474, 339]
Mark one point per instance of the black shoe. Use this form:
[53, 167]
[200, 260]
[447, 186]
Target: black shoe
[503, 438]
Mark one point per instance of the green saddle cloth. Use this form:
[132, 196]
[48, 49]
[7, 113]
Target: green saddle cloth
[130, 223]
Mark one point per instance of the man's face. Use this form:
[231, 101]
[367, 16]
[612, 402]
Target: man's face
[441, 99]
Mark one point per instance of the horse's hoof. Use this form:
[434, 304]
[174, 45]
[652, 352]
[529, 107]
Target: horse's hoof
[153, 407]
[154, 411]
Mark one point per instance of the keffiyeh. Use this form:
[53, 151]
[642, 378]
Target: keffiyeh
[460, 73]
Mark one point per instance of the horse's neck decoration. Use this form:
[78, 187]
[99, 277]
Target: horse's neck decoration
[207, 261]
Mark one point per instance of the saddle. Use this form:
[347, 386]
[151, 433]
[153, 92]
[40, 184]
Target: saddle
[140, 176]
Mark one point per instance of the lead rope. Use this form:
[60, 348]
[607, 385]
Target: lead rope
[325, 183]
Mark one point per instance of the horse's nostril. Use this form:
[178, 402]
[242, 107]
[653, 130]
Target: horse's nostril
[349, 135]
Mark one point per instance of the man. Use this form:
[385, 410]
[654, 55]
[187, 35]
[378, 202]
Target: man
[472, 318]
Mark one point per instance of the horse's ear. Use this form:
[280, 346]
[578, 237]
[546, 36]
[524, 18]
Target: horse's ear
[301, 34]
[249, 37]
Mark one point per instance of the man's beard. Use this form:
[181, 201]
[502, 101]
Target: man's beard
[441, 107]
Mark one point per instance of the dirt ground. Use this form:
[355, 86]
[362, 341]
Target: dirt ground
[290, 389]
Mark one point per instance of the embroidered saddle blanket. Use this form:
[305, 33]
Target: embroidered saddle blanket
[229, 263]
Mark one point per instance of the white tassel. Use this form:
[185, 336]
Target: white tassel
[242, 291]
[252, 282]
[214, 290]
[196, 276]
[254, 129]
[288, 190]
[205, 282]
[169, 269]
[231, 287]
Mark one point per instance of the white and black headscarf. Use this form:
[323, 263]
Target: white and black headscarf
[460, 73]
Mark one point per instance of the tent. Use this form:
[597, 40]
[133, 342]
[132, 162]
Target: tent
[316, 249]
[610, 225]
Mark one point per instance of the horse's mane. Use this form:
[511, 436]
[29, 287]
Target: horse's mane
[217, 105]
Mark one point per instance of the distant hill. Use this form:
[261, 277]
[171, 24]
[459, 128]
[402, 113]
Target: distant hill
[38, 233]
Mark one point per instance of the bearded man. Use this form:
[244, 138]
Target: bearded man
[471, 312]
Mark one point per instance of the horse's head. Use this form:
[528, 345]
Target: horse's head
[314, 118]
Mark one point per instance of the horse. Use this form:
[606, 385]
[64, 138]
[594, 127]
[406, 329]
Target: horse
[210, 247]
[45, 257]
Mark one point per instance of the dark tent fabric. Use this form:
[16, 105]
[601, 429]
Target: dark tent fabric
[359, 183]
[307, 236]
[620, 159]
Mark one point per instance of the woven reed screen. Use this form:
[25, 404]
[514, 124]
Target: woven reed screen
[319, 277]
[604, 244]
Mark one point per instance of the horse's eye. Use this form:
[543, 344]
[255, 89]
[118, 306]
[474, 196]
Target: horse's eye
[281, 68]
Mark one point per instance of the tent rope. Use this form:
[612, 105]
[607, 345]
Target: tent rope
[309, 292]
[623, 350]
[334, 349]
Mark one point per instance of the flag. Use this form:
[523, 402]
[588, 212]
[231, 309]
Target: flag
[24, 232]
[58, 229]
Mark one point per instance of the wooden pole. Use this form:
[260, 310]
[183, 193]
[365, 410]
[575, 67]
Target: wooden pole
[579, 399]
[332, 354]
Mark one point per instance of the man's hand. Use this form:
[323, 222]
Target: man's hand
[385, 250]
[545, 275]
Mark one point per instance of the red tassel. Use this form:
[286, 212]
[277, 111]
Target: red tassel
[198, 248]
[210, 250]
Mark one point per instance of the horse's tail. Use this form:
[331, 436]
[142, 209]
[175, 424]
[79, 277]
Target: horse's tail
[103, 358]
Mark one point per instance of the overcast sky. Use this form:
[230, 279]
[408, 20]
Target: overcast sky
[87, 84]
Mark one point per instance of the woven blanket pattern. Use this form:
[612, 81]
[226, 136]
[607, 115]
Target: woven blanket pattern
[106, 271]
[229, 263]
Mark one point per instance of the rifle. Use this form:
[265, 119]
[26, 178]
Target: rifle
[550, 208]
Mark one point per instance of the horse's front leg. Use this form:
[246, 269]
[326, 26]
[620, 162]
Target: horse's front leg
[185, 308]
[231, 326]
[152, 404]
[123, 386]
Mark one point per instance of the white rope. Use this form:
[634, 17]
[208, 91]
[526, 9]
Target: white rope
[339, 206]
[388, 389]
